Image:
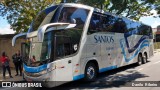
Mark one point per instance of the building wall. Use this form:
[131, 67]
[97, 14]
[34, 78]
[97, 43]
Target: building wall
[6, 45]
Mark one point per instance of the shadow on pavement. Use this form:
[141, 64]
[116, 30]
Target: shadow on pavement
[107, 79]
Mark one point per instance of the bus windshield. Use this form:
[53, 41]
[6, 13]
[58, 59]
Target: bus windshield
[74, 15]
[41, 51]
[58, 14]
[58, 43]
[40, 18]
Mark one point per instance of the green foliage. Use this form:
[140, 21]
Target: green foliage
[156, 5]
[133, 9]
[20, 13]
[157, 45]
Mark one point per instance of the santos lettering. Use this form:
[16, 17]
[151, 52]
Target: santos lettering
[103, 39]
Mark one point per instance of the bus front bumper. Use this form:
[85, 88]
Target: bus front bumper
[44, 79]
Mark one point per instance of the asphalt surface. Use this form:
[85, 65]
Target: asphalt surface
[143, 77]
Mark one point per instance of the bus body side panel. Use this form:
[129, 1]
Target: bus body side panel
[92, 51]
[131, 51]
[135, 46]
[64, 66]
[80, 59]
[119, 57]
[88, 51]
[108, 50]
[78, 72]
[100, 48]
[151, 48]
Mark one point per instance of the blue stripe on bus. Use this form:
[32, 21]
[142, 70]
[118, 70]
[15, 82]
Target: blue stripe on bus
[35, 69]
[78, 77]
[130, 50]
[143, 44]
[107, 68]
[134, 32]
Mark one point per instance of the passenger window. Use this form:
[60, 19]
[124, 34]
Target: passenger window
[63, 46]
[67, 46]
[67, 42]
[59, 47]
[106, 23]
[95, 24]
[74, 15]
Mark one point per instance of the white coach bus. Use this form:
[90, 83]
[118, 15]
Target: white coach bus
[69, 41]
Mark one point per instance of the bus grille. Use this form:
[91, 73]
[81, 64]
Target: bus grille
[32, 74]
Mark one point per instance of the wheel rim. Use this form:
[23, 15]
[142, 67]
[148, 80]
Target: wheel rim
[139, 59]
[90, 72]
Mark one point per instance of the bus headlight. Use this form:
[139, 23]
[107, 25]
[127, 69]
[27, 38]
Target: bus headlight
[51, 69]
[43, 72]
[39, 73]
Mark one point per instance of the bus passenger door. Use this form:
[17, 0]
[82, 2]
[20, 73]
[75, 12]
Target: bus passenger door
[63, 59]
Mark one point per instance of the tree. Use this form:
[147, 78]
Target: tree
[156, 5]
[133, 9]
[20, 13]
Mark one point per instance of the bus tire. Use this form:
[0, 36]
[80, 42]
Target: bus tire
[145, 58]
[140, 59]
[90, 72]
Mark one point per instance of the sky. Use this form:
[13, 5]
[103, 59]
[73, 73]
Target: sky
[5, 27]
[149, 20]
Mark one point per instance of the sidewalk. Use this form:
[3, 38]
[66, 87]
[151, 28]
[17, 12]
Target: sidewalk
[13, 72]
[156, 50]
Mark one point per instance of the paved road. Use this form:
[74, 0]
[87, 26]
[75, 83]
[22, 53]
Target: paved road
[119, 79]
[122, 78]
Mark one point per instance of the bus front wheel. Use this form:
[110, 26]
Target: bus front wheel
[90, 72]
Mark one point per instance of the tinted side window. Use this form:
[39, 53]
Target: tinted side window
[63, 46]
[67, 42]
[94, 24]
[138, 28]
[59, 47]
[119, 26]
[145, 30]
[73, 15]
[106, 23]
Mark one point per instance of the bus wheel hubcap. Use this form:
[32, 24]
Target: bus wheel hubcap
[90, 72]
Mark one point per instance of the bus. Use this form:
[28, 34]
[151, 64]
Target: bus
[69, 41]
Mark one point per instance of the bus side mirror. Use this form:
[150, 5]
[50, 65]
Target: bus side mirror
[16, 36]
[51, 27]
